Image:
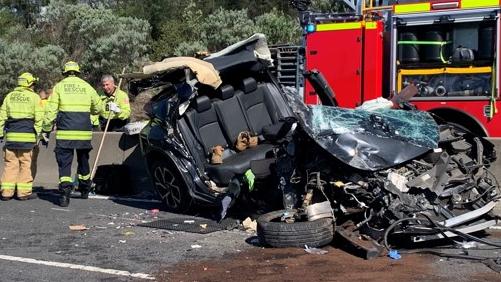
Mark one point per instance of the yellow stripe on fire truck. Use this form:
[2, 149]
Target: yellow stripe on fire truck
[339, 26]
[412, 8]
[469, 4]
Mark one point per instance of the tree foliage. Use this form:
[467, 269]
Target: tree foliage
[99, 40]
[16, 58]
[106, 35]
[278, 27]
[224, 27]
[212, 32]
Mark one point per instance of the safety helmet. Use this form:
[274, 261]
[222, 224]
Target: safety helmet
[71, 66]
[26, 79]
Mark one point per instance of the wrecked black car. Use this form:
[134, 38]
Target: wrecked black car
[373, 176]
[386, 173]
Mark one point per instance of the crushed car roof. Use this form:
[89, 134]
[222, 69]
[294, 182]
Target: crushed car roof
[204, 71]
[252, 51]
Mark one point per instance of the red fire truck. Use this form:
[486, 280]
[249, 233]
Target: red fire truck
[448, 48]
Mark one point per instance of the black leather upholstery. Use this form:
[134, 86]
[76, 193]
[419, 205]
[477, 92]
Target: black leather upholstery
[218, 122]
[237, 164]
[202, 104]
[226, 92]
[205, 126]
[258, 105]
[248, 85]
[230, 114]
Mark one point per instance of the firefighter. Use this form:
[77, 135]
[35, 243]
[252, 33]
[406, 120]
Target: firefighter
[21, 120]
[73, 100]
[118, 102]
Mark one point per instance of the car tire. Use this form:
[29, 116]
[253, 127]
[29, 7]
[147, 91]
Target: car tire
[170, 187]
[279, 234]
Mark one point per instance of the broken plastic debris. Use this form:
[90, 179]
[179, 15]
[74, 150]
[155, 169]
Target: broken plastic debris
[376, 104]
[78, 227]
[122, 241]
[196, 246]
[399, 181]
[249, 224]
[204, 226]
[394, 254]
[469, 245]
[225, 204]
[314, 251]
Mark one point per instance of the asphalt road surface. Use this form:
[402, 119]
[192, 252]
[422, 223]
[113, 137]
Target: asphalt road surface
[36, 244]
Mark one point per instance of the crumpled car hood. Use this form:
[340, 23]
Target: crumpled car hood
[367, 140]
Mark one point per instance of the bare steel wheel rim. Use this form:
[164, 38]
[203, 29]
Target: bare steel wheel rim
[169, 190]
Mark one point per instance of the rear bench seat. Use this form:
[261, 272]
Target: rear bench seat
[218, 123]
[257, 104]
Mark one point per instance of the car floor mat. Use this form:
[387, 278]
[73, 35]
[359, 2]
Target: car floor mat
[193, 224]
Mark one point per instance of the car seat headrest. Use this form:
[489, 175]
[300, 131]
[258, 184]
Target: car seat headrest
[202, 104]
[248, 85]
[226, 92]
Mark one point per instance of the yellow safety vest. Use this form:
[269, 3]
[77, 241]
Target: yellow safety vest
[122, 100]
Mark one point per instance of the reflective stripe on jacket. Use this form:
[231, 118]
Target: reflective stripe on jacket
[72, 102]
[122, 100]
[21, 118]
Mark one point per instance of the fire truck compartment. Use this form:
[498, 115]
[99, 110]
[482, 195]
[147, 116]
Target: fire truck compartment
[435, 44]
[448, 82]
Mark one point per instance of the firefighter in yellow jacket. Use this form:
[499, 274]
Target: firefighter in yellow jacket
[20, 124]
[117, 102]
[72, 102]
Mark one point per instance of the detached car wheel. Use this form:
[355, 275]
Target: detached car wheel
[271, 231]
[170, 187]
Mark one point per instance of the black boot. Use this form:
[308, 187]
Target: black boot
[64, 200]
[84, 188]
[84, 194]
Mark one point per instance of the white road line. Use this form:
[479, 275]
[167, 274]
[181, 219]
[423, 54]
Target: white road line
[57, 209]
[79, 267]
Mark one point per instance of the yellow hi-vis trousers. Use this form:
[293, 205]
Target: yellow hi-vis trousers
[17, 172]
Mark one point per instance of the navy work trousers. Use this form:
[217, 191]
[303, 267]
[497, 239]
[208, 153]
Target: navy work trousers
[64, 159]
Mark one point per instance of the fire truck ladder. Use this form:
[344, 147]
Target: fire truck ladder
[285, 61]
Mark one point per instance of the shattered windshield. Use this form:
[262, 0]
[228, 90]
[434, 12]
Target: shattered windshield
[415, 127]
[367, 140]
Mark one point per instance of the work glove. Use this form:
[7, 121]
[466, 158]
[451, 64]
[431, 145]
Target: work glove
[44, 139]
[114, 107]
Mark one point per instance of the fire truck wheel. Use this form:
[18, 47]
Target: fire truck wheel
[275, 233]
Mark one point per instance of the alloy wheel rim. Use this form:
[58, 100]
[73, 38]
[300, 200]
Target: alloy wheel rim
[169, 190]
